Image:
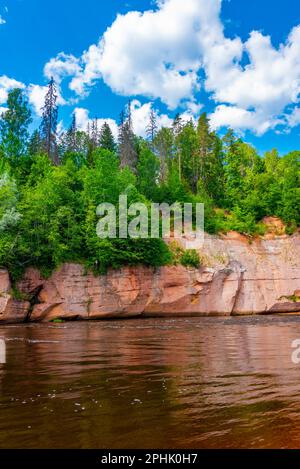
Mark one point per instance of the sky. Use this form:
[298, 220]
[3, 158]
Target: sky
[237, 60]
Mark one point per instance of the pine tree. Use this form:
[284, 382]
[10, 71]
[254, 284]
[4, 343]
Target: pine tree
[35, 145]
[164, 145]
[129, 114]
[177, 125]
[72, 134]
[233, 169]
[152, 127]
[127, 150]
[48, 127]
[187, 146]
[68, 142]
[205, 146]
[177, 128]
[14, 125]
[95, 134]
[107, 140]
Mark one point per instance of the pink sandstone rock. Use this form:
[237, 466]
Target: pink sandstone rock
[4, 282]
[11, 310]
[239, 276]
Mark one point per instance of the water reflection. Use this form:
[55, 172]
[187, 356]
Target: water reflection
[202, 383]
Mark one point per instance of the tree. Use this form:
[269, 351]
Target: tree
[127, 150]
[35, 145]
[205, 143]
[48, 127]
[152, 127]
[177, 125]
[95, 134]
[14, 125]
[148, 172]
[209, 166]
[71, 134]
[9, 216]
[187, 146]
[164, 145]
[107, 141]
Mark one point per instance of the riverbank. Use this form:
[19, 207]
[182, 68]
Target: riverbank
[238, 276]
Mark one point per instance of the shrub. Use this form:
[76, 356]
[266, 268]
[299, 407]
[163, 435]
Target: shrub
[190, 258]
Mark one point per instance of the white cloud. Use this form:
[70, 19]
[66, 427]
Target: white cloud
[2, 20]
[140, 119]
[160, 53]
[6, 85]
[141, 116]
[293, 118]
[83, 119]
[268, 83]
[241, 119]
[89, 71]
[62, 66]
[155, 54]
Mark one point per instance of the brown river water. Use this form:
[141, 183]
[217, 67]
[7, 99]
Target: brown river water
[153, 383]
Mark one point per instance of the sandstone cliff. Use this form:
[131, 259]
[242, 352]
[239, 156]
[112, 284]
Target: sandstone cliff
[238, 276]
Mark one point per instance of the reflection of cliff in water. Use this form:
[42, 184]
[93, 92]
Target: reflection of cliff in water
[152, 383]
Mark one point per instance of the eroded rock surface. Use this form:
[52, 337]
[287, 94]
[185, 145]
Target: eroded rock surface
[238, 276]
[11, 309]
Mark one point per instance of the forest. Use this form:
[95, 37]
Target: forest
[51, 185]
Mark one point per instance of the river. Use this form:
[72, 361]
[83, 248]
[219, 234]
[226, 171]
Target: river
[152, 383]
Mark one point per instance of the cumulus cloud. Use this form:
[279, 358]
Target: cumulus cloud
[6, 85]
[241, 119]
[161, 53]
[178, 49]
[264, 87]
[62, 66]
[89, 71]
[156, 54]
[2, 20]
[293, 119]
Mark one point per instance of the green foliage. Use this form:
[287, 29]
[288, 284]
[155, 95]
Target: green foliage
[14, 125]
[107, 141]
[48, 211]
[190, 258]
[148, 172]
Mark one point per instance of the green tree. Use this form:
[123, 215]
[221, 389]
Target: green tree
[148, 172]
[107, 141]
[164, 147]
[48, 126]
[14, 125]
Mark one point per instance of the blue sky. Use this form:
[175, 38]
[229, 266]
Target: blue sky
[178, 59]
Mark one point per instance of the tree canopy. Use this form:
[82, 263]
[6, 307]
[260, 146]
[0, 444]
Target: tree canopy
[51, 185]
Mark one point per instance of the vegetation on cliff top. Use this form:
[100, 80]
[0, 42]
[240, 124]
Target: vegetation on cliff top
[50, 185]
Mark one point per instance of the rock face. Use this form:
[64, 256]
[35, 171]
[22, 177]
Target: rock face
[11, 310]
[238, 277]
